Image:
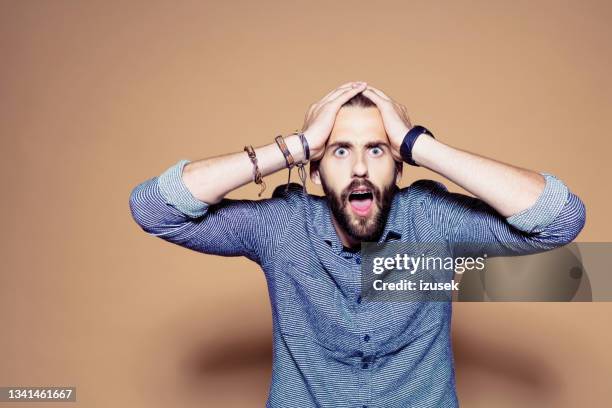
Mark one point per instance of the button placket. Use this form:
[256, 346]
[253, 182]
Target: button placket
[364, 362]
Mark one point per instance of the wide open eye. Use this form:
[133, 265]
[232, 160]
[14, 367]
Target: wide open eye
[341, 152]
[376, 151]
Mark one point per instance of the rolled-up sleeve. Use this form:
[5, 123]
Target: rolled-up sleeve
[164, 207]
[545, 210]
[175, 193]
[555, 219]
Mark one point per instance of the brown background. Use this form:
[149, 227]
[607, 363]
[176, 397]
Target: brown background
[97, 97]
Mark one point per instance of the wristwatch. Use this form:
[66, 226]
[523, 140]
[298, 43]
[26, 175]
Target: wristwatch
[408, 143]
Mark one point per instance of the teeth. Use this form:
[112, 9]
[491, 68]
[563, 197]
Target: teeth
[360, 192]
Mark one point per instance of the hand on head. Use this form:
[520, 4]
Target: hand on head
[321, 115]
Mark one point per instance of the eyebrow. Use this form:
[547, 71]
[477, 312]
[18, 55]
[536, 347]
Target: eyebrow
[348, 144]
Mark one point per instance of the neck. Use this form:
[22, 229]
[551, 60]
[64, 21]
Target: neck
[346, 239]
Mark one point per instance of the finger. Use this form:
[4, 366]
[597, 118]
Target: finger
[379, 92]
[400, 107]
[306, 118]
[348, 94]
[334, 94]
[310, 109]
[343, 86]
[405, 109]
[376, 98]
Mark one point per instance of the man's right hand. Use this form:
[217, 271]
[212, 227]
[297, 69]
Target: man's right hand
[320, 118]
[211, 179]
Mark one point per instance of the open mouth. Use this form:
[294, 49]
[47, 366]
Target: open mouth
[361, 200]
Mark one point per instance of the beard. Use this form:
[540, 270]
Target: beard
[361, 228]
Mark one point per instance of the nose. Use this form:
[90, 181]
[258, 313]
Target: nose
[360, 167]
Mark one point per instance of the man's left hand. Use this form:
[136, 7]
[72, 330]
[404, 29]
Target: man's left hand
[395, 118]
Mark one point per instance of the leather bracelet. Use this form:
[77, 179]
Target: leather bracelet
[257, 178]
[291, 161]
[408, 143]
[304, 145]
[280, 141]
[300, 166]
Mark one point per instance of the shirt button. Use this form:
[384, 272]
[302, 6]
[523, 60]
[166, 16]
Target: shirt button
[364, 365]
[358, 299]
[366, 338]
[358, 260]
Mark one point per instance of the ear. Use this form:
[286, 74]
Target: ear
[315, 176]
[399, 166]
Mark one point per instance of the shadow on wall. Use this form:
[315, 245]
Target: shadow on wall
[211, 372]
[479, 364]
[497, 371]
[230, 356]
[486, 370]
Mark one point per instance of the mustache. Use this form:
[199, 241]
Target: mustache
[361, 183]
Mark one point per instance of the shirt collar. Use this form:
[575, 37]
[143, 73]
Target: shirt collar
[322, 218]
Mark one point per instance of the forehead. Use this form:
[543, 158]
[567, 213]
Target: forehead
[358, 125]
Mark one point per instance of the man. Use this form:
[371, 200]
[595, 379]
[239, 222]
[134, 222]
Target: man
[331, 349]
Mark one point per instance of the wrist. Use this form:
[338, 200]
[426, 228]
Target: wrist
[294, 144]
[316, 152]
[421, 147]
[410, 141]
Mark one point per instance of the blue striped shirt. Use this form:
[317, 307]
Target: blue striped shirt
[330, 349]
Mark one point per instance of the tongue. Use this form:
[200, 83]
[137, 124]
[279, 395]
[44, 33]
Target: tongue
[361, 205]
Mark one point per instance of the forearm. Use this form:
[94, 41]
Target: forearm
[210, 179]
[506, 188]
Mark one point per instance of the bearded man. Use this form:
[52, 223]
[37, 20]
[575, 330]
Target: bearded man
[331, 346]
